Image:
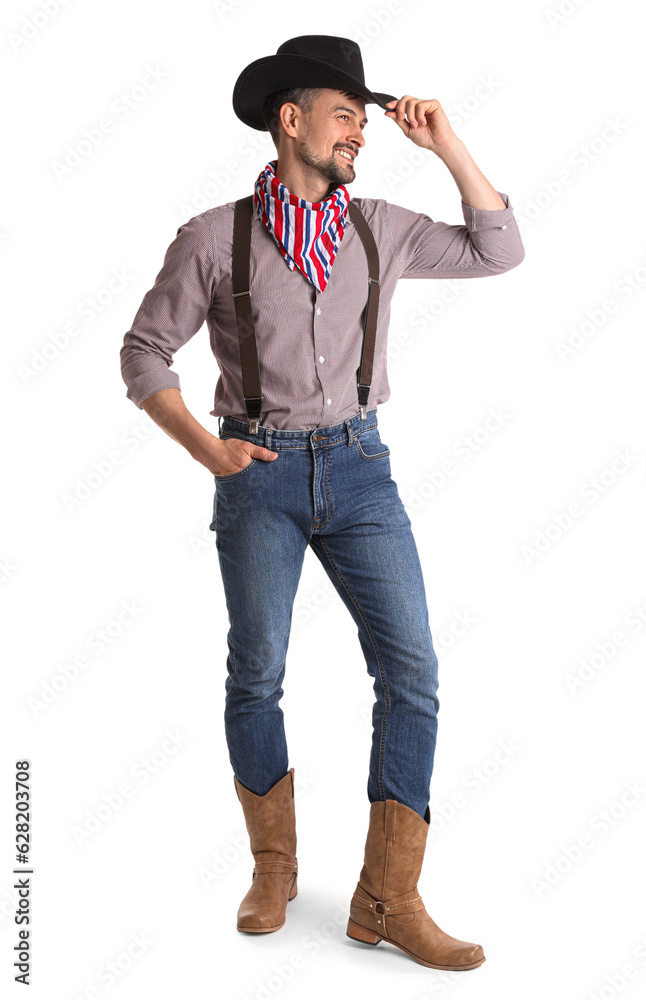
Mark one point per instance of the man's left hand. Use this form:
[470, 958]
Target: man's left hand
[424, 122]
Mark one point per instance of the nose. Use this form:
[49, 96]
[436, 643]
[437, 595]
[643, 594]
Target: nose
[356, 138]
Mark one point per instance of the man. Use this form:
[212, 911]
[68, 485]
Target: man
[299, 460]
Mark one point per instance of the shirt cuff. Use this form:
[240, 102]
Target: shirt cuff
[147, 383]
[488, 218]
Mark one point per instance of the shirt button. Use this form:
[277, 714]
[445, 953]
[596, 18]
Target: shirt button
[504, 227]
[318, 311]
[329, 401]
[321, 358]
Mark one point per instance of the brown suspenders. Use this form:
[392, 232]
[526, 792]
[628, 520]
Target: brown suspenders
[242, 221]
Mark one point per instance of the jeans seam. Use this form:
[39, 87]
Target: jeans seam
[382, 675]
[235, 665]
[327, 458]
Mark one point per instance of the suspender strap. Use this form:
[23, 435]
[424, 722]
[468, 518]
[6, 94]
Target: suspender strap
[364, 371]
[242, 223]
[242, 219]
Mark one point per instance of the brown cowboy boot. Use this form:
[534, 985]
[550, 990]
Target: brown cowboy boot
[271, 825]
[386, 905]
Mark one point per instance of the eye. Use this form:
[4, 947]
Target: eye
[348, 117]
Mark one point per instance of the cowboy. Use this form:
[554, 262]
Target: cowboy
[295, 282]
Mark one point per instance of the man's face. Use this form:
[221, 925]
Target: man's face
[335, 127]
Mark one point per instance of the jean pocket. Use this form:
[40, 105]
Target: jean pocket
[235, 475]
[369, 444]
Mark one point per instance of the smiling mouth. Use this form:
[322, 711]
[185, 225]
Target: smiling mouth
[345, 155]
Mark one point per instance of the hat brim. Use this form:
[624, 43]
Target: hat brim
[271, 73]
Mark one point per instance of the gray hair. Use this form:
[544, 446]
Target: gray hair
[304, 97]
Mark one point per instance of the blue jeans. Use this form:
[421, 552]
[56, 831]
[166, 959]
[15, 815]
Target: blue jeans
[330, 488]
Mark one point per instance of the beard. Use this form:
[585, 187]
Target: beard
[331, 167]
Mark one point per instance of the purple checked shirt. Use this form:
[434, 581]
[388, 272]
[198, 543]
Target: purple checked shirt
[309, 342]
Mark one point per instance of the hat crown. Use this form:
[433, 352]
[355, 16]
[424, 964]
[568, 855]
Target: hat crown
[342, 53]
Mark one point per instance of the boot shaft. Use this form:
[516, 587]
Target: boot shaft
[270, 818]
[394, 851]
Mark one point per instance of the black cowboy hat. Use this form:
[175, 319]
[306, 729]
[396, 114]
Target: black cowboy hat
[304, 61]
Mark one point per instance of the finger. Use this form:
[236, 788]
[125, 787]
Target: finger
[400, 107]
[398, 111]
[257, 451]
[411, 105]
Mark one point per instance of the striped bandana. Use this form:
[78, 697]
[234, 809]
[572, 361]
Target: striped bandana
[308, 233]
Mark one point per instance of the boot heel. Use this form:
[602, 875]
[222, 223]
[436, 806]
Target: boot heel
[358, 933]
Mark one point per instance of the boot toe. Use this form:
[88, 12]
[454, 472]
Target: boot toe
[250, 920]
[471, 954]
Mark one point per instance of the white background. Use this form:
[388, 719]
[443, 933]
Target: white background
[533, 96]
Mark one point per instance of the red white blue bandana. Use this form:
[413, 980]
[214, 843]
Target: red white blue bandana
[308, 233]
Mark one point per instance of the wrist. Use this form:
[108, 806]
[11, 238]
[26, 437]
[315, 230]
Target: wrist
[203, 448]
[452, 151]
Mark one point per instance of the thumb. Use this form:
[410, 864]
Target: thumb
[257, 451]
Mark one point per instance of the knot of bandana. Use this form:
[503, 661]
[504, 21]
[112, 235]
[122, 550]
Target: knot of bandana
[308, 233]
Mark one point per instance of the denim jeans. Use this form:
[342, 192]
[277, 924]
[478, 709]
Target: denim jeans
[330, 488]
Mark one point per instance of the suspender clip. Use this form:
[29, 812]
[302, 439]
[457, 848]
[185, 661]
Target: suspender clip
[362, 392]
[253, 405]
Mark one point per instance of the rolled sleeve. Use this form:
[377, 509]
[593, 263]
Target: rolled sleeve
[171, 312]
[489, 242]
[487, 218]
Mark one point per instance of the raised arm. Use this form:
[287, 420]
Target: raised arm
[489, 242]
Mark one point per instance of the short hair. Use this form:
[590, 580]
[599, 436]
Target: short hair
[304, 97]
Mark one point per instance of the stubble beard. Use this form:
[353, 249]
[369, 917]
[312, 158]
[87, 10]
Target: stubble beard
[328, 166]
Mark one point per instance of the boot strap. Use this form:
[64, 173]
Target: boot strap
[264, 867]
[405, 902]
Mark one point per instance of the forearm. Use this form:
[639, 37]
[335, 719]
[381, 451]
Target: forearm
[475, 190]
[168, 410]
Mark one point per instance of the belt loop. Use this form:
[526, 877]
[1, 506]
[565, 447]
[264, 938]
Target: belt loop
[349, 430]
[219, 425]
[268, 437]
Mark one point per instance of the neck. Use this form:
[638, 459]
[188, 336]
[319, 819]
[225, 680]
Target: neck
[303, 181]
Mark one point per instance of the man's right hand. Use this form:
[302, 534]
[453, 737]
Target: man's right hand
[231, 456]
[221, 458]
